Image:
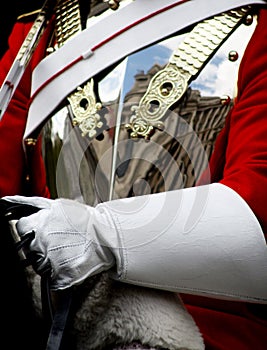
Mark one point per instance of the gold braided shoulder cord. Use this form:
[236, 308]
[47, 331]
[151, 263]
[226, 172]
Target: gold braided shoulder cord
[169, 84]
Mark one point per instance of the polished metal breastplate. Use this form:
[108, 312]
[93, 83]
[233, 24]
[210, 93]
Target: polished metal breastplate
[109, 163]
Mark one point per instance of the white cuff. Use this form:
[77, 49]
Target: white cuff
[203, 240]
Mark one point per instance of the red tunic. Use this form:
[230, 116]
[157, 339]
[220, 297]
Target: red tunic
[239, 161]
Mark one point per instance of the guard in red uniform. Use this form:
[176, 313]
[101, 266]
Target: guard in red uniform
[205, 242]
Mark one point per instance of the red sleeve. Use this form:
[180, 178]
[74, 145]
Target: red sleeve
[240, 162]
[12, 158]
[245, 135]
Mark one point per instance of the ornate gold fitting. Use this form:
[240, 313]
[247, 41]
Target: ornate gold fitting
[139, 127]
[166, 88]
[85, 110]
[169, 85]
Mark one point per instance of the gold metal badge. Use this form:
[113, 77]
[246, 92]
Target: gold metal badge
[85, 109]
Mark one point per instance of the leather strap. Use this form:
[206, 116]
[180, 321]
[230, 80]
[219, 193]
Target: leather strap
[60, 316]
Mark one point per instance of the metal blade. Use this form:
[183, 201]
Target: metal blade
[23, 56]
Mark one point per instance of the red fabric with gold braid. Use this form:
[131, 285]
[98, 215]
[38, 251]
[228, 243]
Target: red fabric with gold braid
[12, 159]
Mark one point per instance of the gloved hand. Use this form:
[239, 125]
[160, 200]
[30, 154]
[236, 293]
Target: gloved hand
[203, 240]
[65, 240]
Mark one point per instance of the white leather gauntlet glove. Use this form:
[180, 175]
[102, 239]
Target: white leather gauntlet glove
[203, 240]
[65, 240]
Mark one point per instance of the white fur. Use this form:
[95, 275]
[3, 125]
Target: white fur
[113, 313]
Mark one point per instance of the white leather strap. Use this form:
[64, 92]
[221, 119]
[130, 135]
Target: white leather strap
[203, 240]
[109, 40]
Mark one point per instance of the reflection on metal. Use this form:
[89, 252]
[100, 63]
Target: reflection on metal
[85, 109]
[169, 85]
[73, 162]
[176, 157]
[93, 170]
[80, 168]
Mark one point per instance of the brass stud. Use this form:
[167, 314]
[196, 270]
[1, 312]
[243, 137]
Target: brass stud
[248, 20]
[166, 89]
[30, 142]
[50, 50]
[113, 4]
[160, 126]
[233, 56]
